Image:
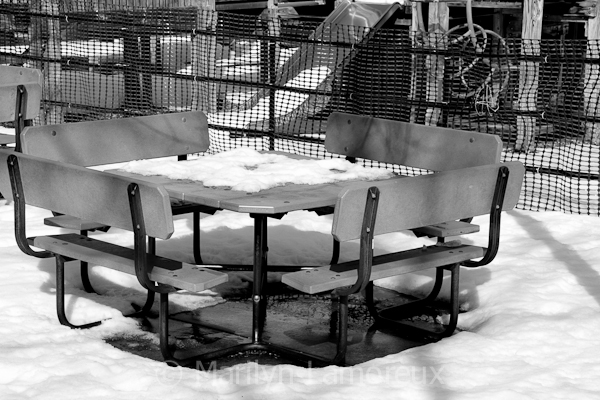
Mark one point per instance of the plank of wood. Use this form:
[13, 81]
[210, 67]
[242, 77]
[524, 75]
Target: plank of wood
[93, 195]
[447, 229]
[529, 74]
[119, 140]
[396, 142]
[166, 271]
[414, 202]
[317, 280]
[591, 80]
[10, 78]
[70, 222]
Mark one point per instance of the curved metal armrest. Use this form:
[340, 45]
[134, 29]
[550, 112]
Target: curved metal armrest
[366, 246]
[140, 254]
[495, 212]
[19, 209]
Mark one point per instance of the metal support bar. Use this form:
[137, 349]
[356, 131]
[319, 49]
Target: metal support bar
[85, 273]
[366, 245]
[19, 209]
[141, 258]
[20, 108]
[259, 303]
[60, 297]
[397, 317]
[495, 213]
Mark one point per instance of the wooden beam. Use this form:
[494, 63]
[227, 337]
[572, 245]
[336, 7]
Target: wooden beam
[591, 83]
[533, 12]
[488, 4]
[53, 70]
[439, 21]
[415, 32]
[204, 56]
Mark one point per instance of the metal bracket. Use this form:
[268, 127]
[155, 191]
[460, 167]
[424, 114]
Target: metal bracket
[141, 257]
[495, 212]
[19, 209]
[366, 245]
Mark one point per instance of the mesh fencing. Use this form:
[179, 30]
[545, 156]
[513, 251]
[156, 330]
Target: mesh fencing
[270, 83]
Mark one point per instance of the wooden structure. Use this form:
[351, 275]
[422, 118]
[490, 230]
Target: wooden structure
[529, 15]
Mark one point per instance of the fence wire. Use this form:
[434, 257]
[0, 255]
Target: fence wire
[271, 83]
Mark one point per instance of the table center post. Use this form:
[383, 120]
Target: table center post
[260, 275]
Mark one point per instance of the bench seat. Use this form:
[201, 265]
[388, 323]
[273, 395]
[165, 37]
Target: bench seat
[166, 271]
[317, 280]
[70, 222]
[447, 229]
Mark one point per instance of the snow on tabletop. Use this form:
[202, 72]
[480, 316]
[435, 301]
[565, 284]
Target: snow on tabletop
[248, 170]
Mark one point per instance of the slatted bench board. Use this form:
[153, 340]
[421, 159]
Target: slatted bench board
[447, 229]
[169, 272]
[119, 140]
[317, 280]
[412, 145]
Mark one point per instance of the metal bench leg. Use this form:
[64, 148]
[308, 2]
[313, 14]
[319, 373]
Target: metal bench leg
[60, 296]
[145, 310]
[437, 286]
[396, 317]
[342, 342]
[256, 345]
[85, 275]
[196, 238]
[335, 256]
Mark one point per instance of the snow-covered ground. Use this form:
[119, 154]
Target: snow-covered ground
[528, 330]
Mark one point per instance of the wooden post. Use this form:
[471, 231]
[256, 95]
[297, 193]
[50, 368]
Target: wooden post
[269, 62]
[439, 21]
[415, 32]
[204, 55]
[37, 29]
[591, 84]
[52, 70]
[498, 22]
[533, 11]
[44, 35]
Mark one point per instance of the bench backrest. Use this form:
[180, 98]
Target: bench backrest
[10, 79]
[413, 202]
[119, 140]
[413, 145]
[91, 195]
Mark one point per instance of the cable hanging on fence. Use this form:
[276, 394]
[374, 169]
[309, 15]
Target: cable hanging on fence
[476, 75]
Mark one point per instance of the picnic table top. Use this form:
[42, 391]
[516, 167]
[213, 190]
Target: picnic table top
[276, 200]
